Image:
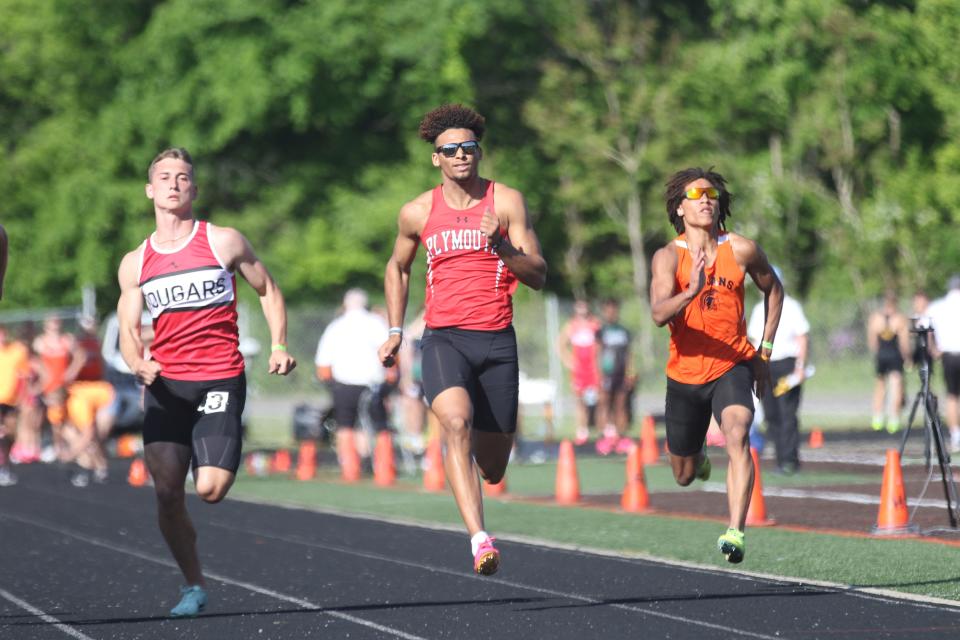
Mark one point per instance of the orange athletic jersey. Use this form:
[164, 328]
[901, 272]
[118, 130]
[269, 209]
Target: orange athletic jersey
[14, 367]
[709, 337]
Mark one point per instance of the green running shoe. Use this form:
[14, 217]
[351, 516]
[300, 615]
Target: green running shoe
[731, 545]
[877, 423]
[703, 471]
[192, 601]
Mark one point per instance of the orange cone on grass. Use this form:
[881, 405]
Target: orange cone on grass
[757, 513]
[434, 479]
[568, 482]
[384, 467]
[347, 455]
[648, 441]
[137, 477]
[280, 462]
[635, 497]
[307, 460]
[816, 439]
[497, 488]
[893, 519]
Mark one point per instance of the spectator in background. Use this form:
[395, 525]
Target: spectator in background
[945, 317]
[787, 371]
[578, 348]
[347, 358]
[616, 380]
[62, 358]
[413, 403]
[888, 336]
[14, 368]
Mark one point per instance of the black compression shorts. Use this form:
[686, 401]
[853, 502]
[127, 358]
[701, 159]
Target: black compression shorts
[951, 373]
[688, 406]
[347, 399]
[203, 415]
[482, 362]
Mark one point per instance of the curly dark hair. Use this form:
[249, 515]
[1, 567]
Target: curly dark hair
[675, 194]
[451, 116]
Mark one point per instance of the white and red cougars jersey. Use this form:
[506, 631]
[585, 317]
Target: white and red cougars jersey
[192, 298]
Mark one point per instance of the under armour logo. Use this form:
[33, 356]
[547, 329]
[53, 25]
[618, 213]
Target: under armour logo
[174, 265]
[465, 219]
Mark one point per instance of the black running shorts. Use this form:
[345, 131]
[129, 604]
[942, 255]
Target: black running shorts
[688, 406]
[951, 373]
[203, 415]
[347, 400]
[482, 362]
[889, 362]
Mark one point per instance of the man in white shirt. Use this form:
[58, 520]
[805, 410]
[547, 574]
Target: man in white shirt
[789, 357]
[945, 320]
[347, 358]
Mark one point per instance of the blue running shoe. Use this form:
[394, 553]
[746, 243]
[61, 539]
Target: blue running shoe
[192, 601]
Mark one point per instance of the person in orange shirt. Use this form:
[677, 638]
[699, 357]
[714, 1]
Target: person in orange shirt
[14, 363]
[697, 288]
[62, 358]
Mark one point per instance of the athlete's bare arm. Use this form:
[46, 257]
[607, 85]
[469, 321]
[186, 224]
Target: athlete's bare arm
[237, 254]
[396, 278]
[753, 260]
[903, 337]
[665, 301]
[520, 250]
[873, 331]
[129, 311]
[78, 358]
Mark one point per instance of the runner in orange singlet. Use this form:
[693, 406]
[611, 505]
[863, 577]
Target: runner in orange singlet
[479, 243]
[62, 359]
[697, 288]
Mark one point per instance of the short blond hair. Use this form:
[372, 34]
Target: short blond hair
[178, 153]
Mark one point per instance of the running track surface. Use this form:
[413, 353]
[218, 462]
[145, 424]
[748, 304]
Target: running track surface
[90, 563]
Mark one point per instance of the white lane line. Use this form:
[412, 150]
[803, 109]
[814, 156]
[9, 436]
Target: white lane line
[508, 583]
[630, 557]
[300, 602]
[832, 496]
[46, 617]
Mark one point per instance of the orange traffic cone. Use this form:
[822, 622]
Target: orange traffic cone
[757, 513]
[384, 469]
[635, 497]
[893, 519]
[648, 441]
[816, 439]
[497, 489]
[347, 455]
[138, 473]
[568, 482]
[280, 462]
[307, 460]
[434, 479]
[127, 445]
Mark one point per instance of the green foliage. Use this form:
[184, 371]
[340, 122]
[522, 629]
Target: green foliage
[836, 123]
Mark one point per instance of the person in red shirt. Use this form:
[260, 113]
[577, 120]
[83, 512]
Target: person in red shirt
[697, 288]
[194, 375]
[578, 346]
[479, 243]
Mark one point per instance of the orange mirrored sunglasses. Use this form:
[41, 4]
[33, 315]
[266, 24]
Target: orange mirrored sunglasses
[695, 193]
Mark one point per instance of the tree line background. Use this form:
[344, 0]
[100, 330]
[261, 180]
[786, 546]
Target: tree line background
[835, 122]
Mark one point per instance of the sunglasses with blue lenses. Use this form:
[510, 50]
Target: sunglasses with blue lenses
[449, 150]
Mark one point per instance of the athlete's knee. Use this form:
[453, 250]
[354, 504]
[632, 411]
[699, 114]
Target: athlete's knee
[456, 427]
[170, 496]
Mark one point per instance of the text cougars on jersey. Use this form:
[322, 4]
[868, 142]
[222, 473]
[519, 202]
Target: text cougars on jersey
[188, 290]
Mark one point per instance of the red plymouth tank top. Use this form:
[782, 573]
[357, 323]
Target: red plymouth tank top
[468, 286]
[709, 337]
[191, 296]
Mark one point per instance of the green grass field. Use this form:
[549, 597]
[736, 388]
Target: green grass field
[905, 565]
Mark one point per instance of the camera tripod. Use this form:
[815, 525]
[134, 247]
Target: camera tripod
[932, 434]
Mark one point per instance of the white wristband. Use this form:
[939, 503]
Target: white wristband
[395, 331]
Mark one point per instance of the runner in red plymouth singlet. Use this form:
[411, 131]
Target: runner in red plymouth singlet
[195, 386]
[479, 243]
[697, 288]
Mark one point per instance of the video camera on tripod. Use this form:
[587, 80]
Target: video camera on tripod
[933, 431]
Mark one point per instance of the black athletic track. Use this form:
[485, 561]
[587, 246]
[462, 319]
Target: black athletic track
[90, 563]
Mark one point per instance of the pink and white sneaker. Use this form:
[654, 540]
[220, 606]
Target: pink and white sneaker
[583, 434]
[487, 559]
[625, 445]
